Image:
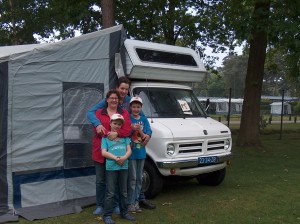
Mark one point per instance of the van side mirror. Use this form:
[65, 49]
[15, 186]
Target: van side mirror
[207, 105]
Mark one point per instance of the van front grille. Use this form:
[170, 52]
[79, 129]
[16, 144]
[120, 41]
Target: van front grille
[190, 148]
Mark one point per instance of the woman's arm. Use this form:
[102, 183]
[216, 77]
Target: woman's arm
[91, 114]
[125, 130]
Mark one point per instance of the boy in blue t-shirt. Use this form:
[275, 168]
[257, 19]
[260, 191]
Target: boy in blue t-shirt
[140, 128]
[116, 152]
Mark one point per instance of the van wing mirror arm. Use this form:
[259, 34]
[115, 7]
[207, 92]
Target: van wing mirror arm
[207, 105]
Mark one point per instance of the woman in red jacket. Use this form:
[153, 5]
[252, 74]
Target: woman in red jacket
[112, 107]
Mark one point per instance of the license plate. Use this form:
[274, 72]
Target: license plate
[209, 159]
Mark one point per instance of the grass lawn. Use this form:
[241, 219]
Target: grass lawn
[237, 117]
[261, 186]
[272, 129]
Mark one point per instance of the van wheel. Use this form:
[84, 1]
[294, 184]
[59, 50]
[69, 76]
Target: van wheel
[212, 179]
[152, 180]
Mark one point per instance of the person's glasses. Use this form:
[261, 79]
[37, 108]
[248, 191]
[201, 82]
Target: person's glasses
[113, 98]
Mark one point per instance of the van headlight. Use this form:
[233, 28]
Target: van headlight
[170, 149]
[227, 144]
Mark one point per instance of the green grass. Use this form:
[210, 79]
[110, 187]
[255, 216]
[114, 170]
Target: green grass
[261, 186]
[272, 129]
[237, 117]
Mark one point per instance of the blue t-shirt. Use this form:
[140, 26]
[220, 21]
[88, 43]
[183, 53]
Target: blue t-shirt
[117, 148]
[139, 151]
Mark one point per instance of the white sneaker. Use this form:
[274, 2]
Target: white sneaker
[131, 208]
[137, 207]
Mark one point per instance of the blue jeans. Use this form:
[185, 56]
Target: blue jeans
[101, 186]
[142, 195]
[100, 183]
[116, 179]
[135, 172]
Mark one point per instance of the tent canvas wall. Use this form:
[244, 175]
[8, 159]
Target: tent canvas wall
[45, 143]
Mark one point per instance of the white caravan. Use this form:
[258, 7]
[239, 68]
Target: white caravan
[185, 141]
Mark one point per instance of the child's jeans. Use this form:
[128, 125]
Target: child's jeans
[135, 173]
[101, 186]
[116, 179]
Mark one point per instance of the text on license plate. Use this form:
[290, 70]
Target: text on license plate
[209, 159]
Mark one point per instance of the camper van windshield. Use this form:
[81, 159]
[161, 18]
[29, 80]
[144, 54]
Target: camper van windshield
[163, 103]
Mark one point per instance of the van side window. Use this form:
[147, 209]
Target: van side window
[166, 57]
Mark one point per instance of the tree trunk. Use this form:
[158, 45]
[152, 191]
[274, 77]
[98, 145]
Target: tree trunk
[13, 24]
[108, 13]
[249, 129]
[168, 27]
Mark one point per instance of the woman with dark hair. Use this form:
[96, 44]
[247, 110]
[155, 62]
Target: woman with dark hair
[104, 114]
[123, 85]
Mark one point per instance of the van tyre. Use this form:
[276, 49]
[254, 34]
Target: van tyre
[152, 180]
[212, 179]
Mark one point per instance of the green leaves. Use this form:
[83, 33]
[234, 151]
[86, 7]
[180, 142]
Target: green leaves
[218, 24]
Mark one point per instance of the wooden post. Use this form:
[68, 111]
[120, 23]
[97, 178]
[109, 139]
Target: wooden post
[270, 119]
[282, 111]
[229, 107]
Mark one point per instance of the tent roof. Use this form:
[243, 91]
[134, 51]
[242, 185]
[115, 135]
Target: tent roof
[8, 51]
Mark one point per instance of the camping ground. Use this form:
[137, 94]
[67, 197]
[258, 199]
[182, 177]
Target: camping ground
[262, 186]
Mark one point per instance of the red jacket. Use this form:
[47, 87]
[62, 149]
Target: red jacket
[103, 116]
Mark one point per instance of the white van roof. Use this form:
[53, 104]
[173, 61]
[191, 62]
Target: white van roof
[153, 61]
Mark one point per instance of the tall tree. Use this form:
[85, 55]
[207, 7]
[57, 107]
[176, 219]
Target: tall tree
[215, 85]
[254, 79]
[275, 77]
[108, 13]
[260, 23]
[67, 17]
[234, 72]
[172, 22]
[20, 20]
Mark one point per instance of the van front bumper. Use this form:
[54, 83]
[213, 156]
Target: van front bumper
[190, 163]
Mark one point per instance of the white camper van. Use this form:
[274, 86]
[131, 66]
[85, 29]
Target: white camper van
[185, 141]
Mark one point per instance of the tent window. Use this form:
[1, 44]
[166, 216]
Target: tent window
[78, 132]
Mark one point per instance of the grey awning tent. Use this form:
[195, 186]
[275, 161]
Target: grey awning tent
[45, 140]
